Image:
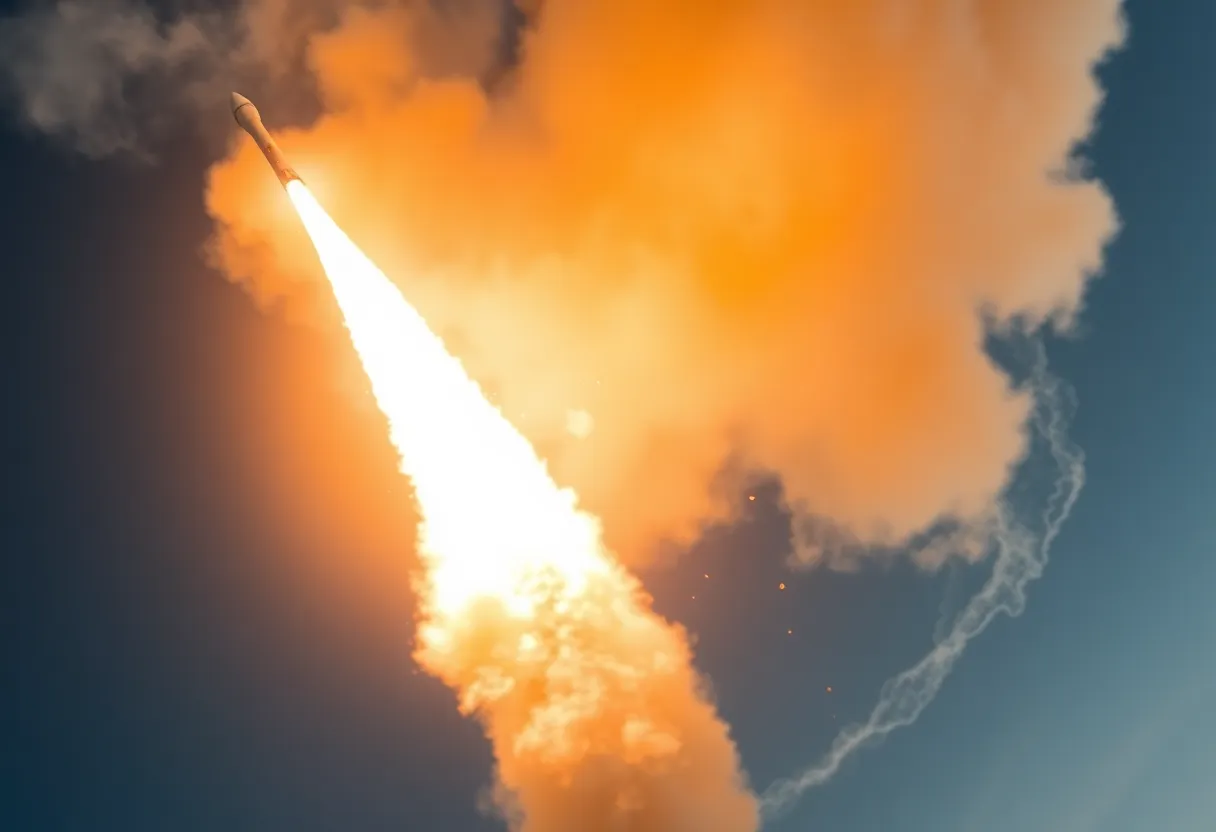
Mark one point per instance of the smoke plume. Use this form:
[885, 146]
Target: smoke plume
[597, 718]
[669, 236]
[757, 230]
[764, 229]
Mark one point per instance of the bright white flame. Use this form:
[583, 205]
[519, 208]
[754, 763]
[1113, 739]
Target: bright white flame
[458, 448]
[596, 715]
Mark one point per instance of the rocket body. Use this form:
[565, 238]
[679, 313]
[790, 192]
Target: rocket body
[250, 120]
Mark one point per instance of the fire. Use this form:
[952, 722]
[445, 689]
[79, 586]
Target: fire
[597, 718]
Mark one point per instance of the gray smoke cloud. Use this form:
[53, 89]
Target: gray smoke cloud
[109, 77]
[69, 66]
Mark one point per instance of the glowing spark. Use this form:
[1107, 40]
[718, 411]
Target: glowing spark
[541, 632]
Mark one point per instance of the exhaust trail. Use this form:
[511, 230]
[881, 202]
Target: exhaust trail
[597, 718]
[1022, 551]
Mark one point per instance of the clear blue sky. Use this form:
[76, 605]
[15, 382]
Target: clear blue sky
[168, 663]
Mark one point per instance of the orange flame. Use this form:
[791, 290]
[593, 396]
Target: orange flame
[597, 717]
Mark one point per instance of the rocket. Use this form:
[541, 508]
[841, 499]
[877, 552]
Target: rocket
[250, 120]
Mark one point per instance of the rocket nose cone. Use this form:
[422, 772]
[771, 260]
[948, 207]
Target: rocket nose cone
[238, 101]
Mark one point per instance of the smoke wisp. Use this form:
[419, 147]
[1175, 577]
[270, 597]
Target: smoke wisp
[1022, 548]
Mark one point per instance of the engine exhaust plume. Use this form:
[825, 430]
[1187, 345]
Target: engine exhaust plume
[597, 718]
[757, 231]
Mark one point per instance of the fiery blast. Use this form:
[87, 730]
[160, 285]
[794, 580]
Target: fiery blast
[597, 718]
[674, 240]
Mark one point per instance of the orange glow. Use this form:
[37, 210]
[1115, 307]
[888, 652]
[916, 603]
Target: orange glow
[524, 612]
[686, 234]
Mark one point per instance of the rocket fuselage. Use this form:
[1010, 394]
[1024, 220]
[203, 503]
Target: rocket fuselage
[250, 120]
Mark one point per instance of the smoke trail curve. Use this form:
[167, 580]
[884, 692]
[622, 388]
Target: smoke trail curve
[1021, 557]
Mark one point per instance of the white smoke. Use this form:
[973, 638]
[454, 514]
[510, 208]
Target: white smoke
[1022, 549]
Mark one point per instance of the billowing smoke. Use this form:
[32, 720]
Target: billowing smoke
[109, 76]
[677, 238]
[761, 230]
[747, 230]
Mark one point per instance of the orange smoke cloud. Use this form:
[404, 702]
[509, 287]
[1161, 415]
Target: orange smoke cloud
[597, 718]
[760, 230]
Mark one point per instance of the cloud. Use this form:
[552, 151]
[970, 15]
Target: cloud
[71, 65]
[1022, 543]
[766, 229]
[749, 235]
[120, 76]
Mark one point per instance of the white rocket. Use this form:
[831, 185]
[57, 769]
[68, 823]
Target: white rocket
[250, 120]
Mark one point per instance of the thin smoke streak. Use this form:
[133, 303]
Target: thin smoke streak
[1021, 558]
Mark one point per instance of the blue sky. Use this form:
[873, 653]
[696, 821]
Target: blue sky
[1095, 710]
[147, 635]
